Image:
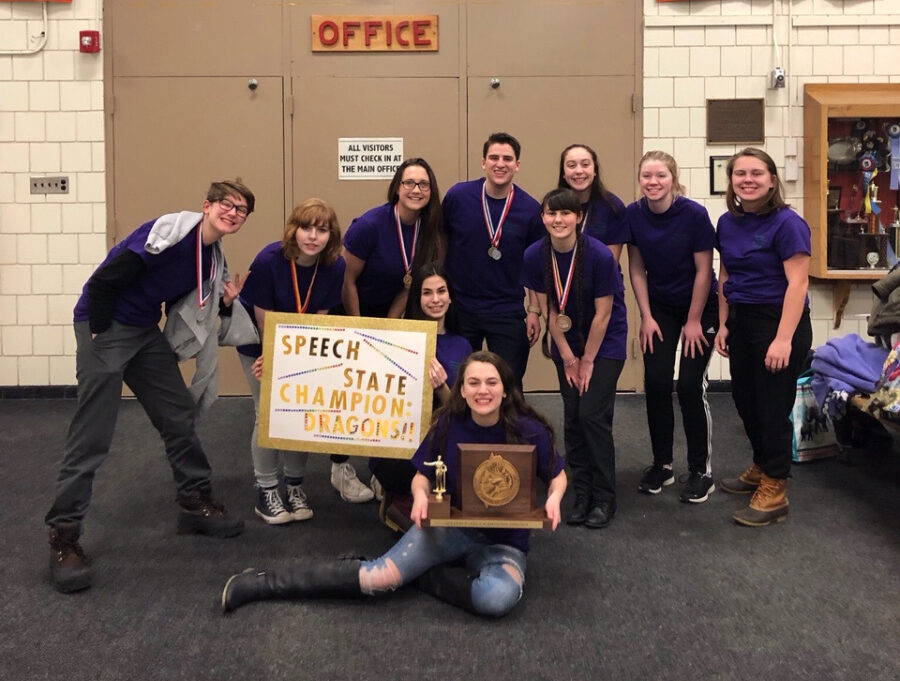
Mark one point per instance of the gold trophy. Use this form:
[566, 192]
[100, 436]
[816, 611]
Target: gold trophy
[497, 488]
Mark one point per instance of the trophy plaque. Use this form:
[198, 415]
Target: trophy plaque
[497, 488]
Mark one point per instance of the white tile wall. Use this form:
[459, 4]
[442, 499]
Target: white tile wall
[727, 61]
[51, 123]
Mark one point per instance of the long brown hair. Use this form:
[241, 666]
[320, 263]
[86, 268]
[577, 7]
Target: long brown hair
[430, 244]
[775, 198]
[512, 407]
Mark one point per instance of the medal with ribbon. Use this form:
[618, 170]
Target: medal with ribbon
[495, 233]
[302, 304]
[407, 261]
[563, 321]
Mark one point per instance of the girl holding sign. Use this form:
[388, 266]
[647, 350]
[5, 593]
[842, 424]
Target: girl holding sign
[580, 291]
[301, 273]
[479, 570]
[385, 245]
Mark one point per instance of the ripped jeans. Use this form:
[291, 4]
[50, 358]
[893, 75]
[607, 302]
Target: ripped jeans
[500, 569]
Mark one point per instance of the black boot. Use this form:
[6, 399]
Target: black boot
[69, 568]
[336, 579]
[449, 583]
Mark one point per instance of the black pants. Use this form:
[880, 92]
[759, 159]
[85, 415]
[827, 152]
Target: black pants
[659, 372]
[764, 399]
[588, 418]
[505, 335]
[143, 359]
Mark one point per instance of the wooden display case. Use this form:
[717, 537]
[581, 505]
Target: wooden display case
[840, 122]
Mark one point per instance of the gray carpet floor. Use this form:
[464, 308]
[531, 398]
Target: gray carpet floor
[668, 591]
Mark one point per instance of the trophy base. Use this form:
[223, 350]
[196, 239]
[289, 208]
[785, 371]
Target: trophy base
[536, 520]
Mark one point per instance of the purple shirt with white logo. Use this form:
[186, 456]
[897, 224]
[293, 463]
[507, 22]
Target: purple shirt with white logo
[753, 249]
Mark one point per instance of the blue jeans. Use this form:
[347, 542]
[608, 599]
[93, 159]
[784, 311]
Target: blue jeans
[494, 591]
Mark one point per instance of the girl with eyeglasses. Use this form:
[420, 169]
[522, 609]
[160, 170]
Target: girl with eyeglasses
[385, 245]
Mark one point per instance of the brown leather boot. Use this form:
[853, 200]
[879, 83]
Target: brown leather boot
[745, 483]
[769, 503]
[69, 567]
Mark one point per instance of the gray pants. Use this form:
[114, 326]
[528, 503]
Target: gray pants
[266, 462]
[143, 359]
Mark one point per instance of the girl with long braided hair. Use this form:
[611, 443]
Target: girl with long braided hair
[580, 291]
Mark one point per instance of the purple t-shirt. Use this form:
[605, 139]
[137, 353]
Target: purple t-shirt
[603, 222]
[169, 276]
[753, 249]
[484, 286]
[464, 430]
[601, 277]
[270, 286]
[450, 352]
[373, 237]
[667, 242]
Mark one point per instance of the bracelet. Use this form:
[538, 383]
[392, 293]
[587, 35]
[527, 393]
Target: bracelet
[534, 308]
[572, 363]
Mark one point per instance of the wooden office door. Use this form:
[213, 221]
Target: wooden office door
[172, 136]
[599, 114]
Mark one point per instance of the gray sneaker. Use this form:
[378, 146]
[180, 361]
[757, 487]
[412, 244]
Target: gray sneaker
[344, 480]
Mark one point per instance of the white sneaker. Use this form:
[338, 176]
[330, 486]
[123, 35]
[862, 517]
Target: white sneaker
[377, 489]
[344, 480]
[297, 503]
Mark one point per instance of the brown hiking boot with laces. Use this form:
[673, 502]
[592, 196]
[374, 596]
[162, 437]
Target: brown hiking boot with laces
[769, 503]
[69, 567]
[745, 483]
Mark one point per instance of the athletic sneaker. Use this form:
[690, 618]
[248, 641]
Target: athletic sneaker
[697, 488]
[655, 478]
[270, 507]
[344, 480]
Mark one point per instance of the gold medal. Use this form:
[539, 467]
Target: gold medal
[407, 280]
[494, 252]
[563, 322]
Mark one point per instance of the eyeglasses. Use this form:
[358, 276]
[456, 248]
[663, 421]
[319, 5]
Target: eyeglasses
[228, 206]
[424, 185]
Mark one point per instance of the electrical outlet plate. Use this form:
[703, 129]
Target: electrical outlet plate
[50, 185]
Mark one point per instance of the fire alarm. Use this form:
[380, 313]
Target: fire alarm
[89, 41]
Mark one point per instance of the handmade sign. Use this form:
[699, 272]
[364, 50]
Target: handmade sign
[347, 385]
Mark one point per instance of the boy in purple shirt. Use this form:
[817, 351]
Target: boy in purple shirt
[764, 326]
[489, 224]
[118, 337]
